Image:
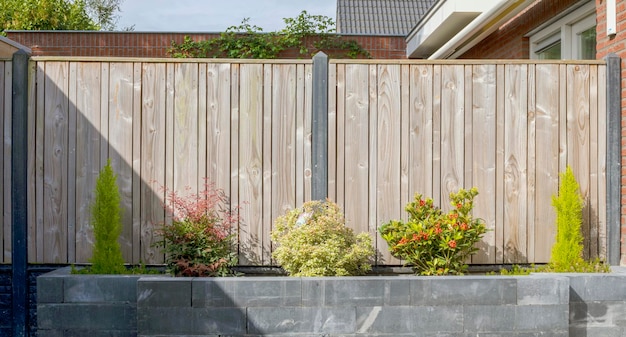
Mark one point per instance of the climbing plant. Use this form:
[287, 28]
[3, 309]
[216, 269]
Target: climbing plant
[306, 33]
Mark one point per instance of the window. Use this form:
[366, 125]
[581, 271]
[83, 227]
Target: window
[572, 36]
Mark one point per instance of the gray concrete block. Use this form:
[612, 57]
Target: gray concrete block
[164, 292]
[219, 321]
[313, 290]
[400, 319]
[596, 332]
[246, 292]
[100, 288]
[293, 320]
[101, 316]
[598, 287]
[467, 290]
[542, 318]
[164, 321]
[489, 318]
[354, 291]
[49, 289]
[597, 314]
[396, 291]
[540, 290]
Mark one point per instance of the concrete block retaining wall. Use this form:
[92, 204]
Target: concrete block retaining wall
[541, 304]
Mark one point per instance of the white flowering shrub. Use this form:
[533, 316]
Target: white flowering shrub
[314, 241]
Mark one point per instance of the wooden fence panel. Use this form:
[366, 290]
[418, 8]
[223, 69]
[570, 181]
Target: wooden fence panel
[395, 129]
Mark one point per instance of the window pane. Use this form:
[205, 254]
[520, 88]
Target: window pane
[552, 52]
[588, 44]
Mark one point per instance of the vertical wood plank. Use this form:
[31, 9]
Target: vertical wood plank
[592, 205]
[388, 159]
[452, 130]
[234, 138]
[341, 136]
[251, 162]
[307, 112]
[71, 166]
[120, 140]
[333, 98]
[437, 135]
[356, 155]
[484, 124]
[515, 165]
[136, 165]
[186, 127]
[602, 130]
[153, 97]
[55, 170]
[87, 153]
[422, 141]
[170, 80]
[578, 138]
[405, 148]
[546, 158]
[531, 168]
[268, 220]
[39, 160]
[500, 196]
[218, 126]
[202, 125]
[283, 139]
[299, 134]
[372, 161]
[32, 141]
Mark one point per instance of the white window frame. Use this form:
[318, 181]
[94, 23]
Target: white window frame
[566, 29]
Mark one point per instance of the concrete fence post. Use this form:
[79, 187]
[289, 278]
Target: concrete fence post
[613, 158]
[19, 206]
[319, 128]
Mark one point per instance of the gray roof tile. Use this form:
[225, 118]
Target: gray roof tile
[380, 17]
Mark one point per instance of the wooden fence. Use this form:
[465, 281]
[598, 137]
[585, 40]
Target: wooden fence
[395, 128]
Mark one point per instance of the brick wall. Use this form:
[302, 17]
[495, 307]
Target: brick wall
[617, 45]
[508, 42]
[136, 44]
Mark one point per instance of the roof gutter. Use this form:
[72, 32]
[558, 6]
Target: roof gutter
[485, 24]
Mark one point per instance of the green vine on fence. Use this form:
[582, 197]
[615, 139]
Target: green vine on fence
[305, 33]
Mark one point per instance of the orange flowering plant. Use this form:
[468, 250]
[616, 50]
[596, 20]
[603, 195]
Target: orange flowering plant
[434, 242]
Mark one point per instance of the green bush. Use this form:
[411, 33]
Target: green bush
[567, 252]
[433, 242]
[314, 241]
[198, 240]
[107, 225]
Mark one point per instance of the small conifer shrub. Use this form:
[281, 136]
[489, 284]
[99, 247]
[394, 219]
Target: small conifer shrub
[567, 252]
[107, 225]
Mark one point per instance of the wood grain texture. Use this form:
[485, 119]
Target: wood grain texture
[55, 170]
[251, 162]
[283, 139]
[388, 164]
[87, 153]
[484, 138]
[546, 158]
[32, 160]
[515, 163]
[153, 138]
[602, 146]
[120, 141]
[356, 149]
[452, 132]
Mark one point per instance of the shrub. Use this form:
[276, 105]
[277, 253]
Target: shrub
[567, 252]
[198, 240]
[314, 241]
[107, 225]
[433, 242]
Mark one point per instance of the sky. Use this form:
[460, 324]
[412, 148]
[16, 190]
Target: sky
[216, 15]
